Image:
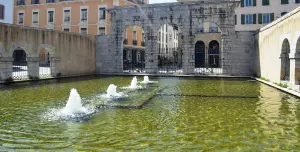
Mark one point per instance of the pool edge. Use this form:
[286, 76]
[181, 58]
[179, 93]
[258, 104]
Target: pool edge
[292, 92]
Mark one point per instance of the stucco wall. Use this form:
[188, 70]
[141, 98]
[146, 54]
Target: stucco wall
[269, 40]
[73, 54]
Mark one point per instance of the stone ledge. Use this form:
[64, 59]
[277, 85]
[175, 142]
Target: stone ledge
[292, 92]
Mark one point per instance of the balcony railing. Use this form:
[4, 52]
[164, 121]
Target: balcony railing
[134, 42]
[125, 41]
[20, 2]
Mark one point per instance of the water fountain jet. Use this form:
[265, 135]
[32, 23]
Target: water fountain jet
[147, 81]
[74, 105]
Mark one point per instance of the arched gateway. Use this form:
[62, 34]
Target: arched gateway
[186, 15]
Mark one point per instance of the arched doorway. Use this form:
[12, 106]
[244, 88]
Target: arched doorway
[169, 49]
[19, 67]
[285, 61]
[133, 44]
[207, 49]
[199, 54]
[44, 63]
[213, 54]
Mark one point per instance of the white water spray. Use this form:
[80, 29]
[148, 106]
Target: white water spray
[74, 105]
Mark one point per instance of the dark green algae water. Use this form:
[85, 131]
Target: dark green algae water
[182, 115]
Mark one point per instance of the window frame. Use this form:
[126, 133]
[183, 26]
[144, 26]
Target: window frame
[23, 15]
[268, 17]
[262, 3]
[87, 30]
[101, 28]
[2, 11]
[38, 16]
[104, 7]
[64, 15]
[48, 16]
[282, 2]
[87, 14]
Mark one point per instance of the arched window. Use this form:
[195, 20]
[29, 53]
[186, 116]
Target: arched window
[2, 8]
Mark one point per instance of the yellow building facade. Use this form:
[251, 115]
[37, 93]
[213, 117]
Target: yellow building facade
[80, 16]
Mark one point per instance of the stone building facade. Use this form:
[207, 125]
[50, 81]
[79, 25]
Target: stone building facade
[234, 56]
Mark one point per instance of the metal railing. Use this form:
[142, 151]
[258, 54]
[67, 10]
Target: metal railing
[170, 61]
[208, 64]
[134, 61]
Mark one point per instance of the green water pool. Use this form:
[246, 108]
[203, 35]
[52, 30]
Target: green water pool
[177, 114]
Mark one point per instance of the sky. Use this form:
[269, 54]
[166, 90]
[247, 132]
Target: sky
[161, 1]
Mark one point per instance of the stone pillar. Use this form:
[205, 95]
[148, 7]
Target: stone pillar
[33, 67]
[226, 57]
[294, 68]
[188, 59]
[6, 68]
[54, 61]
[151, 58]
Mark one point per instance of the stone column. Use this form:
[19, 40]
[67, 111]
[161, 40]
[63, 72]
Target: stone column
[188, 59]
[151, 52]
[54, 62]
[33, 67]
[294, 68]
[6, 68]
[226, 56]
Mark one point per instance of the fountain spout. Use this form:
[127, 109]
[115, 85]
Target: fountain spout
[74, 105]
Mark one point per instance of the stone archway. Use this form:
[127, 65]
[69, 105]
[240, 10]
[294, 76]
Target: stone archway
[19, 64]
[47, 61]
[297, 62]
[186, 15]
[133, 38]
[285, 61]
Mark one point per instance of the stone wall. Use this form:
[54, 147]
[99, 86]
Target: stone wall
[242, 54]
[70, 53]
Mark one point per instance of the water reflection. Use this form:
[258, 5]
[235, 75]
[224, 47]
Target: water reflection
[277, 115]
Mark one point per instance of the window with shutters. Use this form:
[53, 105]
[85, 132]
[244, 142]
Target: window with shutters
[67, 15]
[265, 2]
[284, 1]
[266, 18]
[249, 19]
[248, 3]
[102, 13]
[2, 10]
[35, 17]
[21, 18]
